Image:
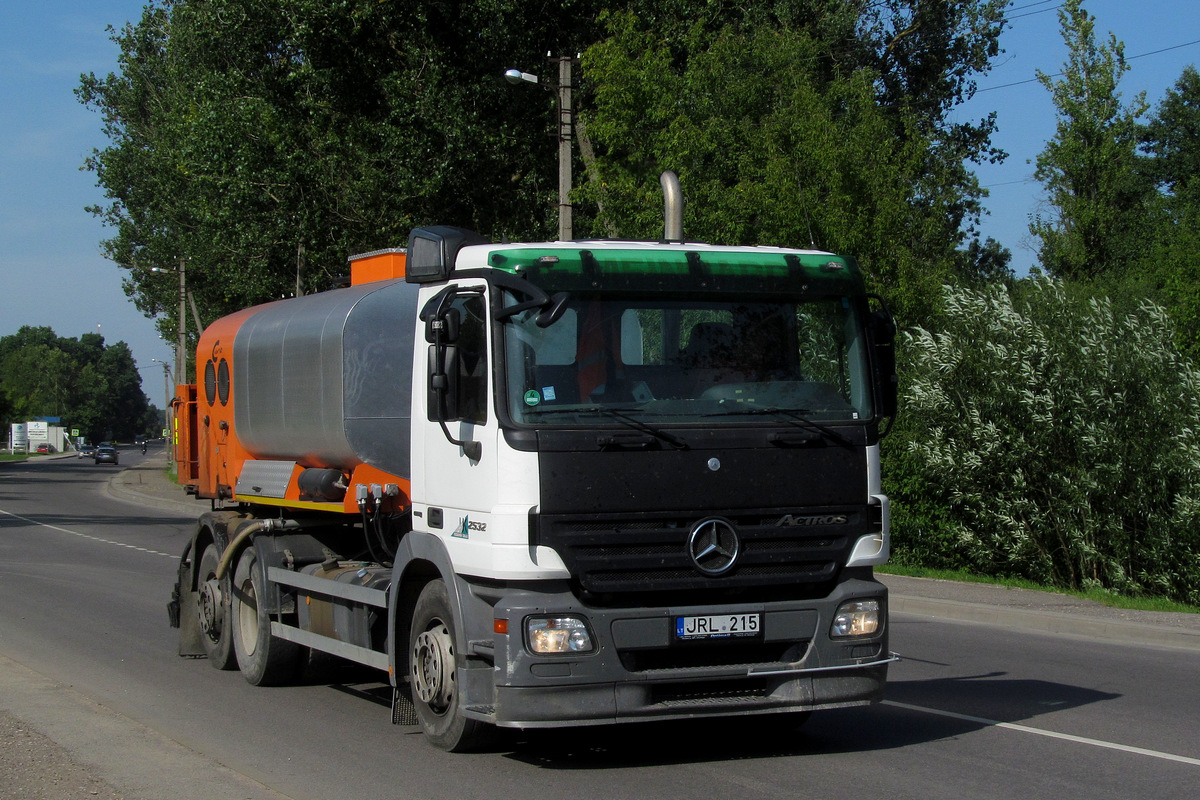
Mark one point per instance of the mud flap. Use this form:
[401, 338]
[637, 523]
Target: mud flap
[403, 711]
[182, 610]
[189, 626]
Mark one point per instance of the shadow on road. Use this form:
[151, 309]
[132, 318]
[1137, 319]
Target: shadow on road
[991, 696]
[856, 730]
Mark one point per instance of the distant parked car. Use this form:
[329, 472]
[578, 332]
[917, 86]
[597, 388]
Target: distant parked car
[45, 448]
[87, 450]
[106, 455]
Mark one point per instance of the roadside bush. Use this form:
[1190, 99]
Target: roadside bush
[1046, 435]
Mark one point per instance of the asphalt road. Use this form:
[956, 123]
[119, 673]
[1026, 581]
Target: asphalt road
[95, 703]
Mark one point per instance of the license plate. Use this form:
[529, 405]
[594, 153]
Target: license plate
[717, 626]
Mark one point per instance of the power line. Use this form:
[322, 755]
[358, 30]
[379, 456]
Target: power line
[1008, 18]
[1165, 49]
[1059, 74]
[1031, 5]
[1030, 179]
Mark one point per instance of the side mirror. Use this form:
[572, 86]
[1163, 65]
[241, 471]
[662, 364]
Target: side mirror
[886, 379]
[442, 327]
[443, 383]
[558, 306]
[882, 328]
[447, 323]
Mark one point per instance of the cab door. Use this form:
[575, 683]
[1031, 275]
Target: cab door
[455, 432]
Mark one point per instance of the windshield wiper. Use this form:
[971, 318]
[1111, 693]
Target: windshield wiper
[794, 414]
[620, 415]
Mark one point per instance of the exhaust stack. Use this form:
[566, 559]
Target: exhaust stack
[672, 207]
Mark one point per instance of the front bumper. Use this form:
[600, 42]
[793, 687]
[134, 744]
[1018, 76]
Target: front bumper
[639, 672]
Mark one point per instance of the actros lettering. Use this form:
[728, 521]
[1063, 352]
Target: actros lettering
[793, 521]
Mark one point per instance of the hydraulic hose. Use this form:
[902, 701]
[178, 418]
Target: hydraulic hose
[235, 546]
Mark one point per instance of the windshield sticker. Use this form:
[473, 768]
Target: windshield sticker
[532, 398]
[548, 394]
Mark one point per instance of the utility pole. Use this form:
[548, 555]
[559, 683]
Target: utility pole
[566, 132]
[299, 268]
[181, 344]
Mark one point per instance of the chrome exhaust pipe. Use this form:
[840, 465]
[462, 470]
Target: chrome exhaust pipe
[672, 207]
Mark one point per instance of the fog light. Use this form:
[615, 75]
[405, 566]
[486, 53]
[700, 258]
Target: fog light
[554, 635]
[856, 618]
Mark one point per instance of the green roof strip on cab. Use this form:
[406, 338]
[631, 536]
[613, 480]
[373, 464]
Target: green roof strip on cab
[816, 267]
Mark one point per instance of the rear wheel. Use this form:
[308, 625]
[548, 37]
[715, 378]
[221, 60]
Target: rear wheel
[265, 660]
[216, 632]
[431, 653]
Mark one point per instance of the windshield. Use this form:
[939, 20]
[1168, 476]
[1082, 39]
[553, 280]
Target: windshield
[706, 360]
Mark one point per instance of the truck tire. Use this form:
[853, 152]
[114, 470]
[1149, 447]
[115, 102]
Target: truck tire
[433, 671]
[265, 660]
[216, 632]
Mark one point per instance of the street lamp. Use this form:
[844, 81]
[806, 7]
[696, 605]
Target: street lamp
[168, 410]
[566, 132]
[185, 300]
[181, 342]
[166, 377]
[167, 392]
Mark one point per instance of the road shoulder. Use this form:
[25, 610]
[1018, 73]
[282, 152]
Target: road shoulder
[1040, 612]
[56, 743]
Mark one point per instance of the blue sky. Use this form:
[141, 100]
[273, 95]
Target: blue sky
[1025, 113]
[51, 271]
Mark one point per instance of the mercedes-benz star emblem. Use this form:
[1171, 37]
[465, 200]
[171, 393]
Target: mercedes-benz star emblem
[713, 546]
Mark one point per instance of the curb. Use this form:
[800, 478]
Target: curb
[119, 487]
[1047, 622]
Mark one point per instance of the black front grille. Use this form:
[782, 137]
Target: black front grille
[621, 554]
[711, 693]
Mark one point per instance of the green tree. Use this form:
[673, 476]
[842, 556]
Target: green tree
[798, 123]
[90, 386]
[1099, 203]
[1052, 436]
[38, 373]
[1171, 139]
[267, 141]
[6, 407]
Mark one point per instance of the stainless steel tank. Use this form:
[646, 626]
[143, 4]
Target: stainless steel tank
[326, 379]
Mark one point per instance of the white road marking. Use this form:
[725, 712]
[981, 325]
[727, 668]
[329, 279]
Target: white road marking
[1141, 751]
[84, 535]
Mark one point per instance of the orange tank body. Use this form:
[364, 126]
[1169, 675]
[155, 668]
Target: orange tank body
[318, 383]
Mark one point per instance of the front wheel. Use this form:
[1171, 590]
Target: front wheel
[433, 671]
[265, 660]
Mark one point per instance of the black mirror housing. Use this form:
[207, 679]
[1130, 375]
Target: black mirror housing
[443, 383]
[448, 323]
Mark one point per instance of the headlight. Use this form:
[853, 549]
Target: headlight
[856, 618]
[555, 635]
